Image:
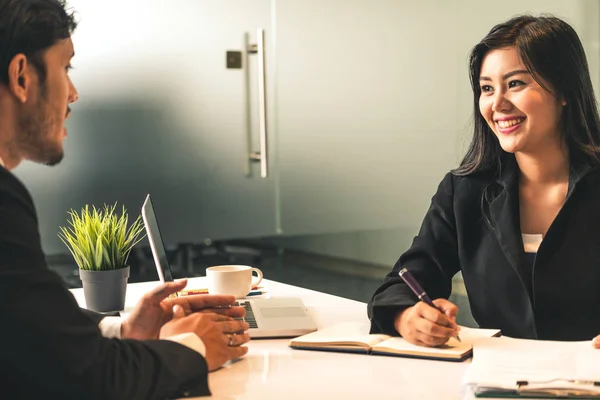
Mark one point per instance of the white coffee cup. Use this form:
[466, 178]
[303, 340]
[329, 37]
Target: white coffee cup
[236, 280]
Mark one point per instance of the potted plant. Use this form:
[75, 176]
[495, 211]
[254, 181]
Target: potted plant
[100, 241]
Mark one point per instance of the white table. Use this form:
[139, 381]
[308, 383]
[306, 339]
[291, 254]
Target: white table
[272, 370]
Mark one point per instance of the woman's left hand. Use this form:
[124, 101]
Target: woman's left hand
[596, 342]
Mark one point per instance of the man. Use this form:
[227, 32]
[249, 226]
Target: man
[50, 347]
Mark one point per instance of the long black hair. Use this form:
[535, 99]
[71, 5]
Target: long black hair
[550, 49]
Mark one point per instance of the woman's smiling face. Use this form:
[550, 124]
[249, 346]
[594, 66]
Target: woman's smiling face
[524, 116]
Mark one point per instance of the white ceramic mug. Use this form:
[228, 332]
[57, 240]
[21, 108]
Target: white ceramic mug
[236, 280]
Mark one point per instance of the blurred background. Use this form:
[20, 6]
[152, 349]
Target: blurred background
[365, 106]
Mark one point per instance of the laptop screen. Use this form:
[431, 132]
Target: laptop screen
[156, 243]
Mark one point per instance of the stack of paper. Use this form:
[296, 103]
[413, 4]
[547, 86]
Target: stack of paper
[510, 367]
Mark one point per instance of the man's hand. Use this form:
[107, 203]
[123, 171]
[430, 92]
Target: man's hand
[155, 309]
[596, 342]
[423, 325]
[222, 335]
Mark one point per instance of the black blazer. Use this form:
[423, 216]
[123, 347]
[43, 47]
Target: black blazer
[51, 349]
[565, 299]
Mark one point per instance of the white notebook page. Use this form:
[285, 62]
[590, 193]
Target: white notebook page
[343, 332]
[468, 337]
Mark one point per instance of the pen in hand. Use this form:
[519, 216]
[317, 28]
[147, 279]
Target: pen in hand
[418, 290]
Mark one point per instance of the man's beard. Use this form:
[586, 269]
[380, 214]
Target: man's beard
[35, 137]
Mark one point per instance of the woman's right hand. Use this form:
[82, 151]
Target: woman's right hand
[423, 325]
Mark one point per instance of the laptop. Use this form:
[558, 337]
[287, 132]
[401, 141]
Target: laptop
[271, 317]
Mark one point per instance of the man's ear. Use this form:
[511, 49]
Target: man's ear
[19, 77]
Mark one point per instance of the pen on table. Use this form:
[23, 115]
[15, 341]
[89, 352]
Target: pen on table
[418, 290]
[254, 292]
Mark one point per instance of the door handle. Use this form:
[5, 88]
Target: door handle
[260, 156]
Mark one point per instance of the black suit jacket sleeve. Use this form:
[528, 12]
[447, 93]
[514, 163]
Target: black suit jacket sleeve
[50, 347]
[432, 259]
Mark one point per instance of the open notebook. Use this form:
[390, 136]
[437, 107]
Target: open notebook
[508, 367]
[354, 337]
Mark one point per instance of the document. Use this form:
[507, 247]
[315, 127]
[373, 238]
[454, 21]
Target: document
[354, 337]
[509, 367]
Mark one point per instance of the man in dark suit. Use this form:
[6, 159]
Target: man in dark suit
[49, 345]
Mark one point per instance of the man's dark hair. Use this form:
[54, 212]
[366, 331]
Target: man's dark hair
[30, 27]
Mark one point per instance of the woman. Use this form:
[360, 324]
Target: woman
[520, 217]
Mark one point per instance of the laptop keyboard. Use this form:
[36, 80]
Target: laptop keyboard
[249, 314]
